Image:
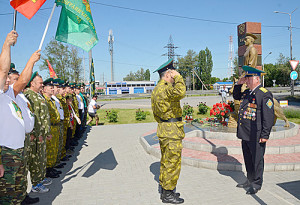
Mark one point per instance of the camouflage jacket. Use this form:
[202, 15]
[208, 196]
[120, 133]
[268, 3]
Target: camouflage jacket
[65, 108]
[41, 113]
[75, 104]
[165, 100]
[53, 112]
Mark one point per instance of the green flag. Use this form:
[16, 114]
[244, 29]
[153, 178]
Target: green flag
[76, 24]
[92, 79]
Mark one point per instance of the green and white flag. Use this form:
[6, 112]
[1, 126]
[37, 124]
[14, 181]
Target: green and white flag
[76, 24]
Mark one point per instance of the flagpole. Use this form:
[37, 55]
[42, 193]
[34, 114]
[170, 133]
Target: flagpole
[15, 20]
[90, 65]
[46, 29]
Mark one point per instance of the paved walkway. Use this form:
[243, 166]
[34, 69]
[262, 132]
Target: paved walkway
[113, 168]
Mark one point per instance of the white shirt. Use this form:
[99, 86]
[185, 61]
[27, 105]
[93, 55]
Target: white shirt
[80, 102]
[12, 126]
[59, 107]
[24, 104]
[90, 108]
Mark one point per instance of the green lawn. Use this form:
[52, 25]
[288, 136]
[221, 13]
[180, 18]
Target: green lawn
[127, 116]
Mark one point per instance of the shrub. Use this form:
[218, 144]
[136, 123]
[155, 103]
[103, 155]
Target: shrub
[291, 113]
[140, 115]
[202, 108]
[112, 116]
[187, 110]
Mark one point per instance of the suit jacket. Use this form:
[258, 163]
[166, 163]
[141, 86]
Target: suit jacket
[256, 113]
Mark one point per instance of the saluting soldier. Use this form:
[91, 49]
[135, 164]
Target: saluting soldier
[52, 144]
[256, 118]
[165, 100]
[40, 133]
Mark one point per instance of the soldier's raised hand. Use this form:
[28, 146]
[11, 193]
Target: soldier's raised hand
[11, 38]
[35, 57]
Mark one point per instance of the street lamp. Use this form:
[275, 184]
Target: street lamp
[290, 14]
[263, 64]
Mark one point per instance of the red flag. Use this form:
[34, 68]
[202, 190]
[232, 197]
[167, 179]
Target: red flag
[51, 71]
[27, 7]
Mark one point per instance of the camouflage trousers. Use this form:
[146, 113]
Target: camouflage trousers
[52, 146]
[26, 158]
[63, 150]
[37, 161]
[13, 182]
[170, 163]
[60, 142]
[74, 128]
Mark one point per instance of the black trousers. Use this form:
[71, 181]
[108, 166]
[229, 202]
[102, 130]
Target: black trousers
[254, 160]
[78, 126]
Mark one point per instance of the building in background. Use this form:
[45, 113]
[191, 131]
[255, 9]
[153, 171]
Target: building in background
[129, 87]
[217, 85]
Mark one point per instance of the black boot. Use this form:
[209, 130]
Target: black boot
[168, 196]
[176, 194]
[29, 200]
[51, 174]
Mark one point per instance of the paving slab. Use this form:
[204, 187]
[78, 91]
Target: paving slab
[111, 167]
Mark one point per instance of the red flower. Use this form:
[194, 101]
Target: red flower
[226, 111]
[218, 111]
[222, 108]
[222, 113]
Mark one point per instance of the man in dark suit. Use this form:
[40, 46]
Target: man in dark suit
[255, 121]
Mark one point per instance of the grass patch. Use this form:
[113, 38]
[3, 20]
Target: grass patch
[127, 116]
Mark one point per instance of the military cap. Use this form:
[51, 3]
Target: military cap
[62, 83]
[32, 77]
[56, 81]
[48, 82]
[166, 66]
[250, 71]
[77, 86]
[72, 85]
[12, 69]
[252, 35]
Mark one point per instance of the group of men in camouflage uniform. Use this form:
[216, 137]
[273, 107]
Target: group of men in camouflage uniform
[50, 124]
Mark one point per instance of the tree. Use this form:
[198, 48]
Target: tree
[213, 80]
[140, 75]
[64, 60]
[186, 64]
[204, 67]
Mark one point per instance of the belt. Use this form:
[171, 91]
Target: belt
[172, 119]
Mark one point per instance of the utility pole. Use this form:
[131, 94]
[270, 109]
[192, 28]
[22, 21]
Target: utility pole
[111, 51]
[83, 68]
[291, 47]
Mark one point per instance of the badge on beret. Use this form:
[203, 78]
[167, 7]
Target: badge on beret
[269, 103]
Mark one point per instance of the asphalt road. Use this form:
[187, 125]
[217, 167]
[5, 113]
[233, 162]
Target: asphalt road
[193, 101]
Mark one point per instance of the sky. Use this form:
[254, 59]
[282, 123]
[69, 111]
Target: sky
[140, 37]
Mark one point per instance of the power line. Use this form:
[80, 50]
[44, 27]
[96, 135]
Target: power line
[169, 15]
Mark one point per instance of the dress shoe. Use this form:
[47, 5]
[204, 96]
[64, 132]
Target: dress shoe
[56, 171]
[60, 166]
[252, 190]
[65, 159]
[63, 163]
[51, 174]
[168, 196]
[69, 156]
[246, 184]
[29, 200]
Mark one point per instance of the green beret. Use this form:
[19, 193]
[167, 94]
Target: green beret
[250, 71]
[166, 66]
[48, 82]
[32, 77]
